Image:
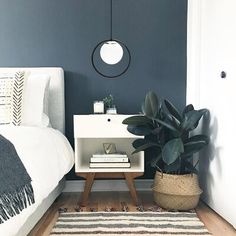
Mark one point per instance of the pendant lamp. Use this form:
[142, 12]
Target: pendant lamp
[111, 58]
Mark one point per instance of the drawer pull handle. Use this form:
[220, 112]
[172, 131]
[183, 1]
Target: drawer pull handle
[223, 74]
[109, 120]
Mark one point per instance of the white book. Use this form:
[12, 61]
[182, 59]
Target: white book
[109, 165]
[109, 159]
[120, 154]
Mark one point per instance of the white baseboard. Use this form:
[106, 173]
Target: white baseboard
[108, 185]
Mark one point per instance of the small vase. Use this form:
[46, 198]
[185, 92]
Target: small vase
[111, 110]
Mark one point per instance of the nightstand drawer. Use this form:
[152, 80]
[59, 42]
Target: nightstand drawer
[100, 126]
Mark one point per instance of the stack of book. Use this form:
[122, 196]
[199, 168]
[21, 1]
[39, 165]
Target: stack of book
[116, 160]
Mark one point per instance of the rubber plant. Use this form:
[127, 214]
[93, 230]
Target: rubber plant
[168, 134]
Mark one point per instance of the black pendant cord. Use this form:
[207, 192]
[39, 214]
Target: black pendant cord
[111, 20]
[98, 47]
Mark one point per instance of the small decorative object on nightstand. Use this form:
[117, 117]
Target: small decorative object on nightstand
[91, 132]
[109, 148]
[109, 105]
[98, 107]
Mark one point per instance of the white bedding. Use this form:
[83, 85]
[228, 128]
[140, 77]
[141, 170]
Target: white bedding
[47, 156]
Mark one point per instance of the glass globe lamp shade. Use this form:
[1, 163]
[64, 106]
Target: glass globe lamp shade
[111, 52]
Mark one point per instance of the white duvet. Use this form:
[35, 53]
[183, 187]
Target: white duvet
[47, 156]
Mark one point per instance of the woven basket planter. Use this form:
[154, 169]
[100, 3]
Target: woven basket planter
[178, 192]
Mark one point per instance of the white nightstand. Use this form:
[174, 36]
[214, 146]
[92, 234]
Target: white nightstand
[90, 132]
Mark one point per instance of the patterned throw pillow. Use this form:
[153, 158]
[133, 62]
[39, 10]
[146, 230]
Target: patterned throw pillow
[11, 98]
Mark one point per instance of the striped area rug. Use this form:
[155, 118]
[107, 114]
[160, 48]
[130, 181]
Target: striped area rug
[129, 223]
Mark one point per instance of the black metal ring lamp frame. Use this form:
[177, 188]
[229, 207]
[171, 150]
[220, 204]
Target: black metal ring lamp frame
[111, 39]
[111, 76]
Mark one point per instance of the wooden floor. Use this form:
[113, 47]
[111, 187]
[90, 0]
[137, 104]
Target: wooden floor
[100, 200]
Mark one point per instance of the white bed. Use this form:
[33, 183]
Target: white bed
[45, 152]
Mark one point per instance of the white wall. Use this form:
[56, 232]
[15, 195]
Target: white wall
[212, 49]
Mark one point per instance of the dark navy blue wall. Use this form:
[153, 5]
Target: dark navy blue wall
[64, 33]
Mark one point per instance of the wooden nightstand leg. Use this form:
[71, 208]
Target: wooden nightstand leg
[130, 182]
[87, 188]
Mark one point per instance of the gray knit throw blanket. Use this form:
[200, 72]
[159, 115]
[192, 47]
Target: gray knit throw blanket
[16, 191]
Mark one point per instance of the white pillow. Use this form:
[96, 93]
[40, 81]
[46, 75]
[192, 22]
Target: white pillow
[11, 97]
[35, 101]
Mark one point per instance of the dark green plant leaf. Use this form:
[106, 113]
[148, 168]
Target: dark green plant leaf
[139, 142]
[200, 137]
[144, 147]
[194, 144]
[172, 150]
[166, 125]
[191, 119]
[173, 110]
[140, 130]
[188, 108]
[151, 105]
[193, 147]
[137, 120]
[173, 121]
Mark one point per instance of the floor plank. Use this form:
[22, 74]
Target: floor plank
[101, 201]
[214, 223]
